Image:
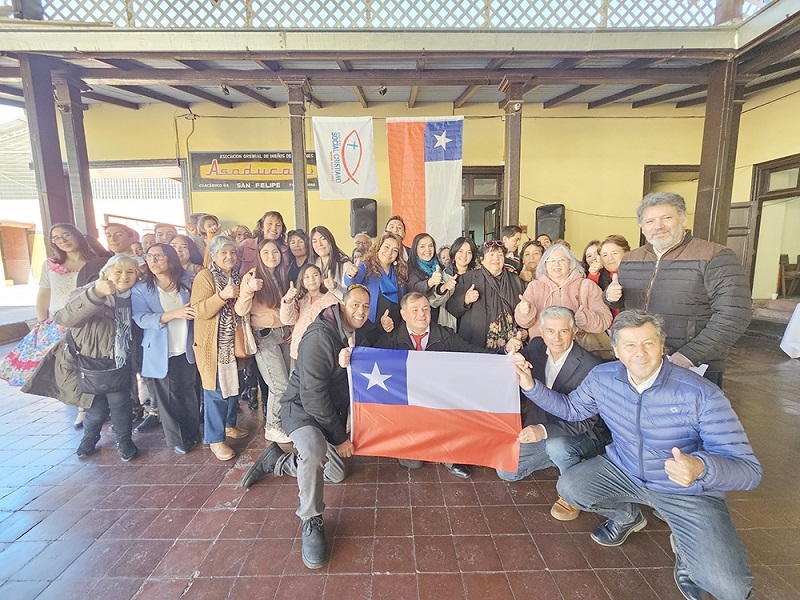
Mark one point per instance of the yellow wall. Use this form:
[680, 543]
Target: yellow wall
[591, 161]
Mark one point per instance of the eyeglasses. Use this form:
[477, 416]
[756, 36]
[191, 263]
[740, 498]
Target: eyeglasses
[558, 261]
[492, 245]
[357, 286]
[64, 237]
[156, 257]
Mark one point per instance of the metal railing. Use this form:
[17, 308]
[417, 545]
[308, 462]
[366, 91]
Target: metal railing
[392, 14]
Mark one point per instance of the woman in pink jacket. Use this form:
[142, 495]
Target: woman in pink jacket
[560, 281]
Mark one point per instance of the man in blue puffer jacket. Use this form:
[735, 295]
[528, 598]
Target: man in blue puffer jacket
[678, 447]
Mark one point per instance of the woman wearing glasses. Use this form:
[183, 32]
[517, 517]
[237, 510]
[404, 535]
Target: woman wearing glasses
[560, 281]
[161, 308]
[69, 253]
[484, 300]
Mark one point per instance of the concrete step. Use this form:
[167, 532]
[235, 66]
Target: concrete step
[766, 329]
[777, 311]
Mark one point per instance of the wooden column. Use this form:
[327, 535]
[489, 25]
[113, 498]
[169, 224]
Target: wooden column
[718, 154]
[512, 108]
[71, 108]
[297, 111]
[37, 89]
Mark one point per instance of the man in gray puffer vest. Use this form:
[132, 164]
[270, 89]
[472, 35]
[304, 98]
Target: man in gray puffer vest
[698, 287]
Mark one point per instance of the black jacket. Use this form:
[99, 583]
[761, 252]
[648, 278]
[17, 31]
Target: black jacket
[701, 291]
[577, 366]
[440, 339]
[319, 392]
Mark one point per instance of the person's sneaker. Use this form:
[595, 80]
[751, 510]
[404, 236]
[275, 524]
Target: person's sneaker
[150, 422]
[315, 553]
[687, 587]
[564, 511]
[612, 534]
[235, 433]
[127, 450]
[276, 434]
[264, 465]
[87, 446]
[222, 451]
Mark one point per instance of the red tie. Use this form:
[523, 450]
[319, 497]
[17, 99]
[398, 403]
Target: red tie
[418, 340]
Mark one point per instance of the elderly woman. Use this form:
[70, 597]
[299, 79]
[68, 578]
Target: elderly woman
[214, 294]
[385, 274]
[299, 247]
[560, 282]
[531, 256]
[161, 308]
[611, 250]
[484, 300]
[101, 332]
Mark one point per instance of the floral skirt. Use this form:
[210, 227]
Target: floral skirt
[22, 361]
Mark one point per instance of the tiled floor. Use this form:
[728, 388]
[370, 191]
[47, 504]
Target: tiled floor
[165, 526]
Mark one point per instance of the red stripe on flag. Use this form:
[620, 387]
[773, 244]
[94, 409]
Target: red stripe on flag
[406, 142]
[451, 436]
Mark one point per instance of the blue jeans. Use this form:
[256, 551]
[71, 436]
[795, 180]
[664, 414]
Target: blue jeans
[218, 413]
[705, 538]
[561, 451]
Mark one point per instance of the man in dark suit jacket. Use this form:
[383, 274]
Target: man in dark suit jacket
[417, 332]
[561, 364]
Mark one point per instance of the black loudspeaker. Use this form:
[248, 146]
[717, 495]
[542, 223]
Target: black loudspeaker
[363, 217]
[550, 220]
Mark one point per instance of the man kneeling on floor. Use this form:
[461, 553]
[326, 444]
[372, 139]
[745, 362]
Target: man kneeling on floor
[678, 447]
[561, 364]
[314, 415]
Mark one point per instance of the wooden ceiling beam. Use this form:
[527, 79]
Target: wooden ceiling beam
[529, 87]
[465, 95]
[143, 91]
[692, 102]
[362, 99]
[412, 96]
[110, 100]
[253, 95]
[764, 85]
[269, 65]
[622, 95]
[569, 63]
[328, 77]
[202, 94]
[792, 63]
[567, 95]
[769, 55]
[11, 91]
[690, 91]
[420, 64]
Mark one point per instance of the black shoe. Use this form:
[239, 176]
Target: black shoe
[127, 450]
[252, 400]
[150, 422]
[180, 449]
[612, 534]
[687, 587]
[460, 471]
[315, 554]
[264, 465]
[87, 446]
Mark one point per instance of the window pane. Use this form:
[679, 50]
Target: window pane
[782, 180]
[463, 186]
[485, 187]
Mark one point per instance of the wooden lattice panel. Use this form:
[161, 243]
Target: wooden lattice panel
[392, 14]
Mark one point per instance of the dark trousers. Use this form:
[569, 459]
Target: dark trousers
[178, 407]
[119, 405]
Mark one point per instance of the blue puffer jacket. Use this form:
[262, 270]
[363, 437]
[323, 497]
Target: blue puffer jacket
[680, 409]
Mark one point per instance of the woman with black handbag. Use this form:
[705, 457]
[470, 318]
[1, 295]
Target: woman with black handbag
[91, 368]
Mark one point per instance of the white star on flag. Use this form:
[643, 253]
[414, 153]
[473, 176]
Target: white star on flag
[376, 377]
[441, 140]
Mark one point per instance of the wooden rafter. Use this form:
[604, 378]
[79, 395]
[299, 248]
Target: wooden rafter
[110, 100]
[622, 95]
[577, 91]
[789, 77]
[690, 91]
[465, 95]
[344, 65]
[11, 91]
[147, 93]
[412, 96]
[242, 89]
[765, 57]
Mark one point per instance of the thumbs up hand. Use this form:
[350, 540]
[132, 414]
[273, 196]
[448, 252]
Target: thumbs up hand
[614, 289]
[290, 294]
[472, 295]
[253, 283]
[344, 353]
[352, 270]
[436, 278]
[524, 306]
[683, 469]
[229, 291]
[386, 322]
[104, 287]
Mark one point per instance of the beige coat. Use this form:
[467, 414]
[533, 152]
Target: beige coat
[206, 300]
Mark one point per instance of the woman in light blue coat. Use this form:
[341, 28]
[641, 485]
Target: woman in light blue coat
[161, 308]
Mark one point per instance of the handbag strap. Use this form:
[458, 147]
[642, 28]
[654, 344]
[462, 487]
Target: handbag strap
[71, 344]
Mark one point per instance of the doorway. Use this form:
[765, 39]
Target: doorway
[481, 201]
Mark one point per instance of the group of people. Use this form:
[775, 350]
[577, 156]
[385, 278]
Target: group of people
[640, 430]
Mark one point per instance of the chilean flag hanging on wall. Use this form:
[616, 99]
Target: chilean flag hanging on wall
[425, 156]
[450, 407]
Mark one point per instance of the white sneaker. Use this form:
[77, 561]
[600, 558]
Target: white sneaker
[277, 435]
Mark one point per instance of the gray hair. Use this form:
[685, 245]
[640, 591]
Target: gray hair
[556, 312]
[636, 318]
[659, 199]
[217, 243]
[574, 264]
[126, 261]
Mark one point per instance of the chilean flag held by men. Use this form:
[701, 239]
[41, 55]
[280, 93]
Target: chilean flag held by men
[450, 407]
[425, 174]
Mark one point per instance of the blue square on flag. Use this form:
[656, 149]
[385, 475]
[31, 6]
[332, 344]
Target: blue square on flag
[379, 376]
[443, 140]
